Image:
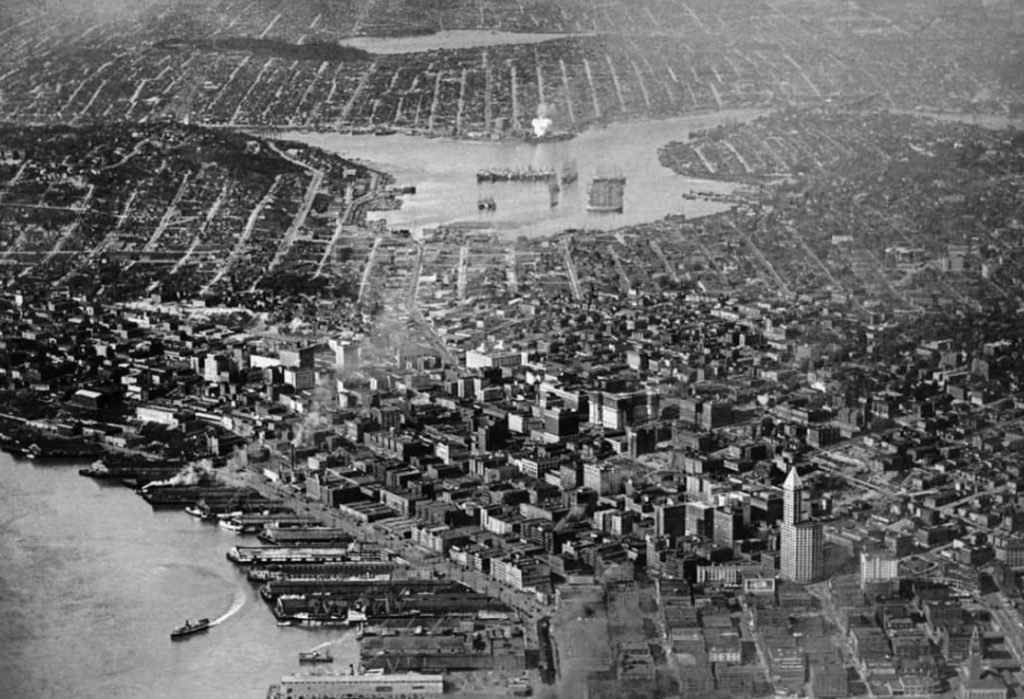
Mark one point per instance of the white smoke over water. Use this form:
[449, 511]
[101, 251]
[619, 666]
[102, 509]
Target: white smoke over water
[543, 122]
[191, 474]
[541, 126]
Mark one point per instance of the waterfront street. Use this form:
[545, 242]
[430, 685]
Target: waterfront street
[525, 603]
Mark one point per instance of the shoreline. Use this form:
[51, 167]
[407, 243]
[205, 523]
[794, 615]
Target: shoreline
[404, 551]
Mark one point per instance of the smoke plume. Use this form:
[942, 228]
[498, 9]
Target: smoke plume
[324, 400]
[191, 474]
[543, 121]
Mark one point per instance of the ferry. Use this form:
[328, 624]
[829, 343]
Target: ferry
[190, 627]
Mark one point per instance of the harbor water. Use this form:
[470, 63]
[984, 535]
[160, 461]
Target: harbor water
[447, 192]
[92, 580]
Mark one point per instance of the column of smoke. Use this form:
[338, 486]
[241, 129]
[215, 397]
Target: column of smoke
[239, 457]
[544, 120]
[324, 400]
[191, 474]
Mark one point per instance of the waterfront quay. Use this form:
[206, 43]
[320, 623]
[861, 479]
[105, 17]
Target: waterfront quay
[399, 550]
[414, 611]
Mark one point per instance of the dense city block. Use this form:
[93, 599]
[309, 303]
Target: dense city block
[770, 451]
[279, 64]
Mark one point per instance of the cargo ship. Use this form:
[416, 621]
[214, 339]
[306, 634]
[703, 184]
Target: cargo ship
[299, 536]
[549, 137]
[189, 628]
[514, 175]
[604, 194]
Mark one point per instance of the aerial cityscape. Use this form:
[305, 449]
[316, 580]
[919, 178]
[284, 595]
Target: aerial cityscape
[481, 348]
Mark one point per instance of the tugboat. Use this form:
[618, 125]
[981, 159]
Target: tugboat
[315, 656]
[189, 628]
[232, 525]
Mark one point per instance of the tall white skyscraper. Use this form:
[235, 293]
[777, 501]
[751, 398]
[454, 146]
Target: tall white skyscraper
[803, 544]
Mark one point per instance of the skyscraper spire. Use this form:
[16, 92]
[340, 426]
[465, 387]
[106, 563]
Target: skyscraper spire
[974, 659]
[793, 480]
[802, 542]
[792, 498]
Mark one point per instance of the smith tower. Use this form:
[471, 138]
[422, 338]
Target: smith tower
[802, 541]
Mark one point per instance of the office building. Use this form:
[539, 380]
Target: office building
[802, 550]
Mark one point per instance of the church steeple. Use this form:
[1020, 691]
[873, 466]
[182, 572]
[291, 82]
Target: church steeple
[976, 682]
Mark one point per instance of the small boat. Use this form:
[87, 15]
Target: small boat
[316, 656]
[195, 511]
[190, 627]
[232, 525]
[355, 616]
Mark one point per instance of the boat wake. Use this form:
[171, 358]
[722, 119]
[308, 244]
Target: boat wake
[236, 606]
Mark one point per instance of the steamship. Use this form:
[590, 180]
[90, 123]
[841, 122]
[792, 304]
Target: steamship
[190, 627]
[549, 136]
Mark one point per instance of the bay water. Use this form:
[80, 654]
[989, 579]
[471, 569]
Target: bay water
[92, 580]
